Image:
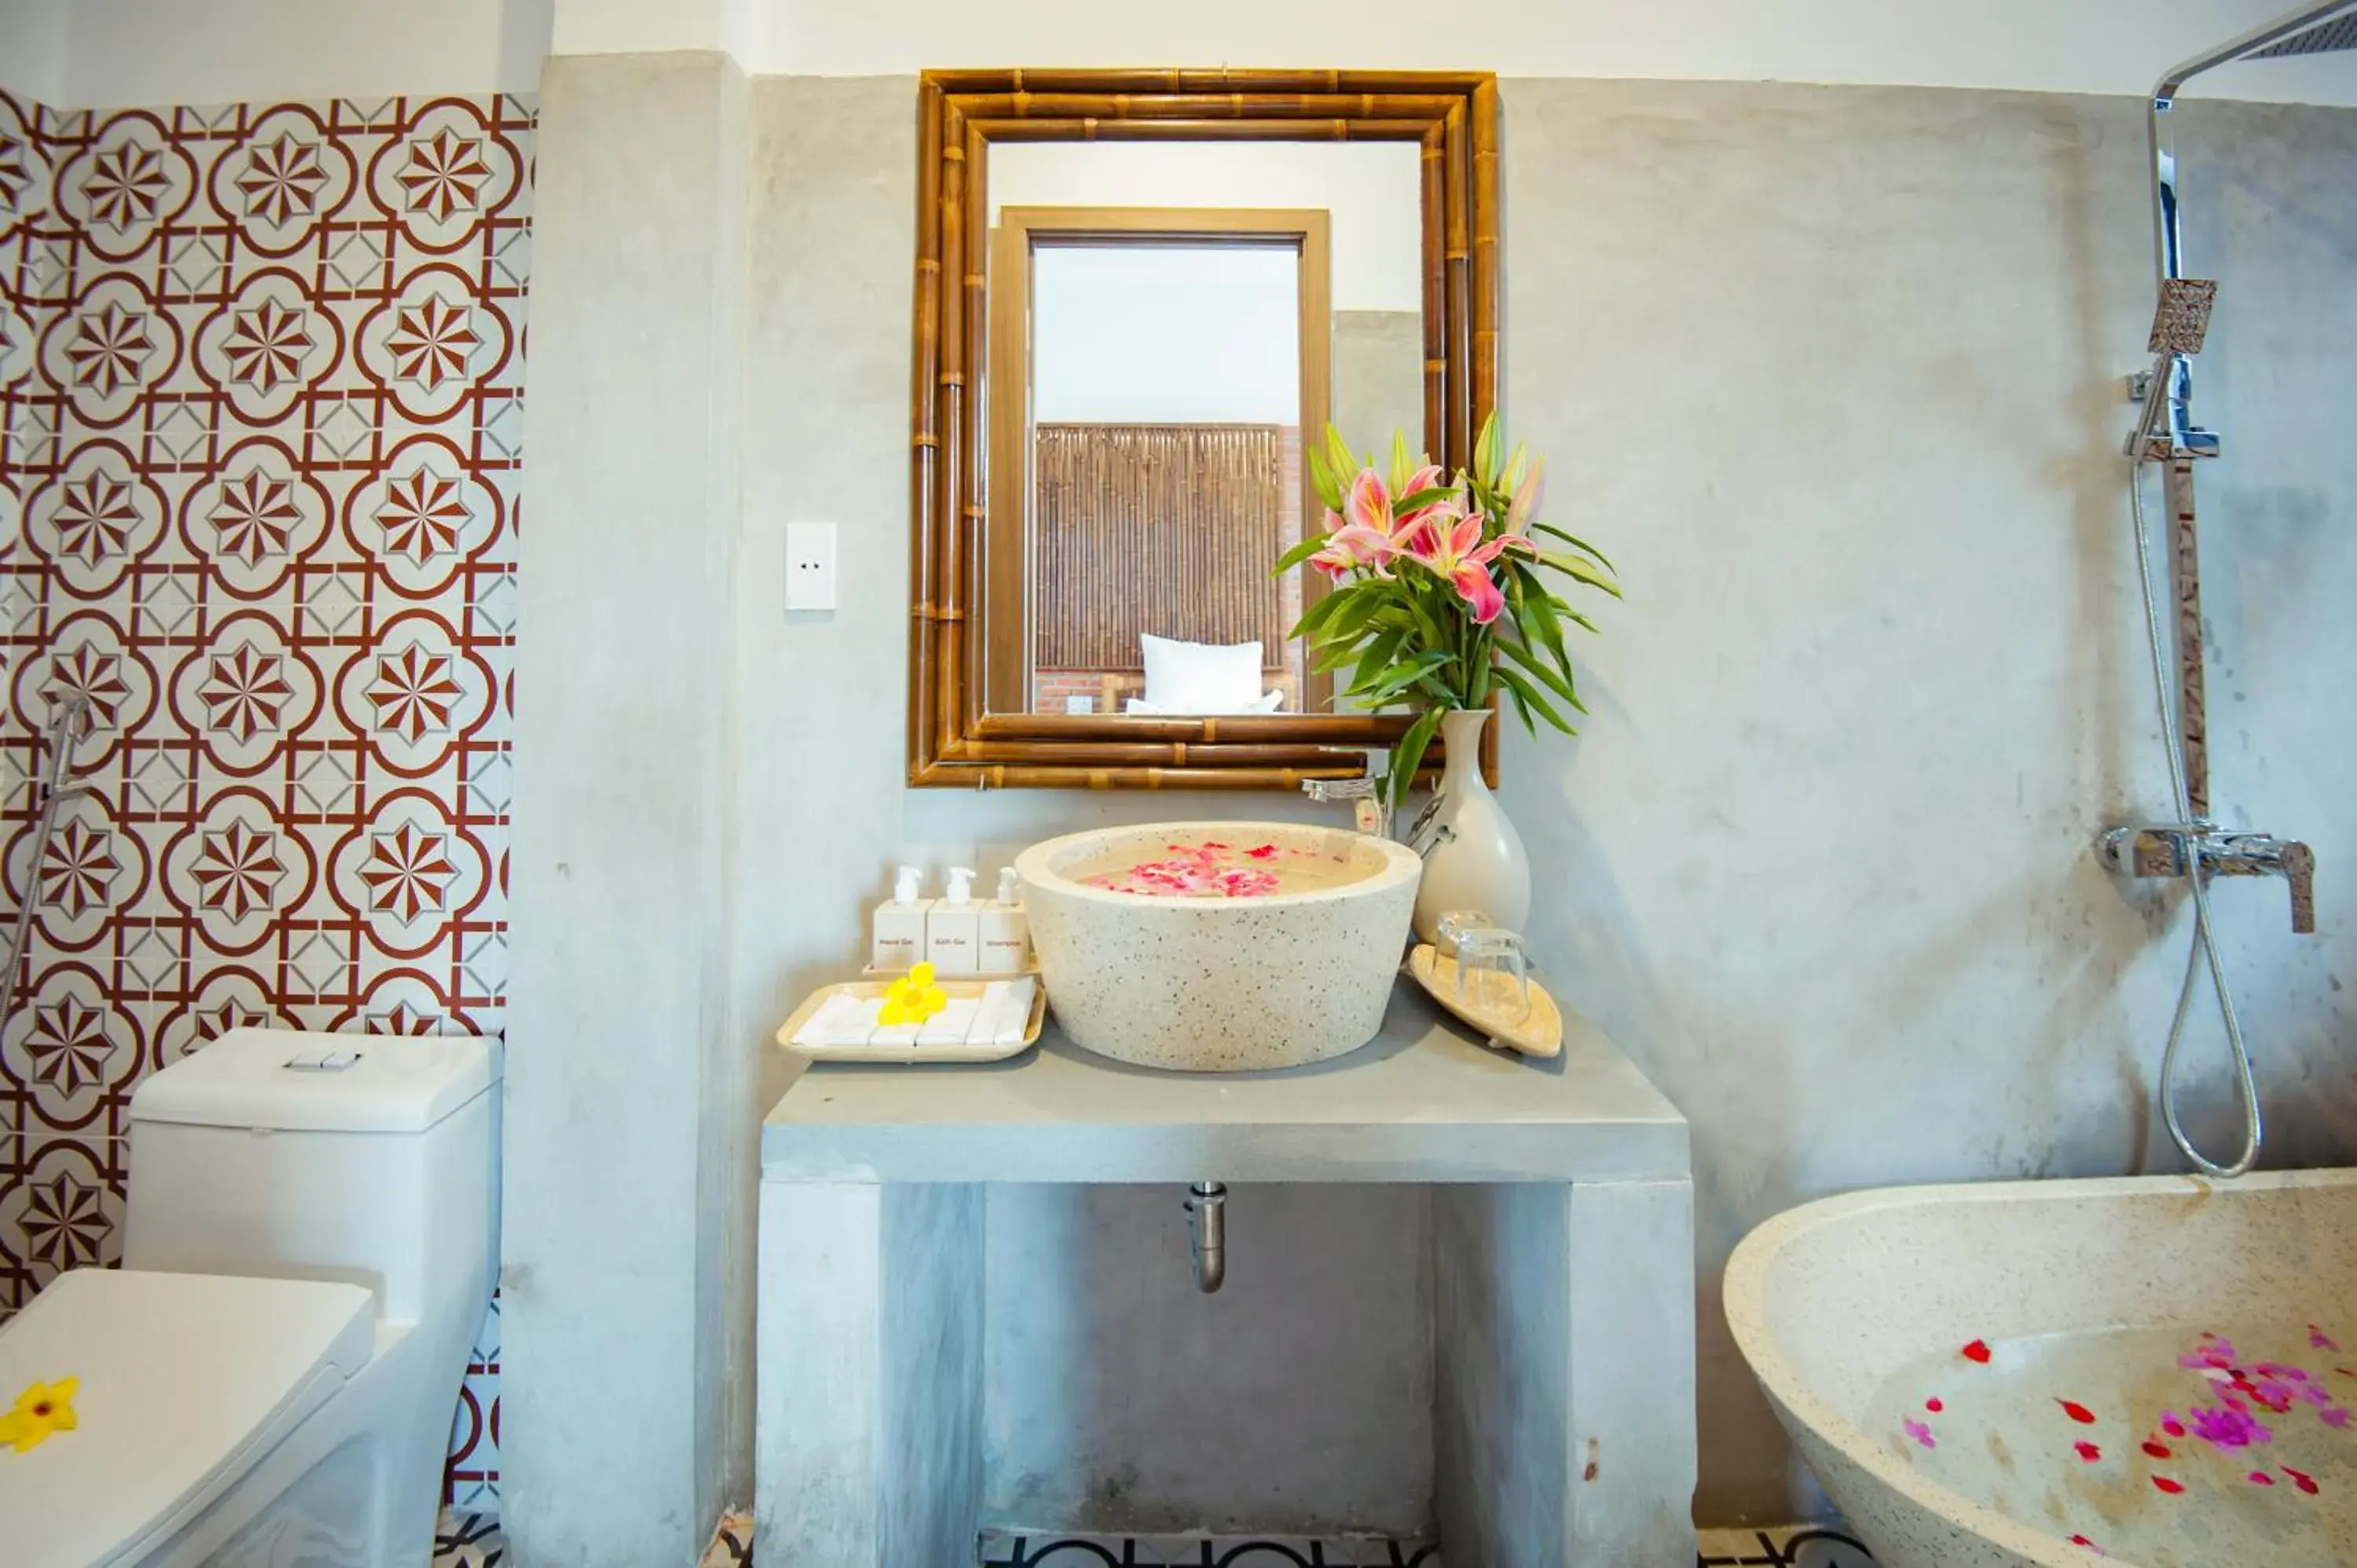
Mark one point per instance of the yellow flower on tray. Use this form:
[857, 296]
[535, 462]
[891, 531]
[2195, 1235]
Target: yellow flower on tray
[41, 1409]
[912, 998]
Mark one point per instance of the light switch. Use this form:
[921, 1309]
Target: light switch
[810, 566]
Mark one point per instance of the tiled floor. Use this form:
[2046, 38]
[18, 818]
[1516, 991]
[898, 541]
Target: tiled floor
[473, 1541]
[1793, 1546]
[1006, 1549]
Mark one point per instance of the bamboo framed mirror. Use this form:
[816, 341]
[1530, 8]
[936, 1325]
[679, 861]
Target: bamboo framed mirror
[1137, 293]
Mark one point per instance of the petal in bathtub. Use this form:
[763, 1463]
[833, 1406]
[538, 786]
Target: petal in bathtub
[2077, 1411]
[2228, 1428]
[2261, 1478]
[2157, 1450]
[2170, 1424]
[1977, 1351]
[2333, 1415]
[2319, 1341]
[2088, 1452]
[2301, 1478]
[1921, 1433]
[1933, 1404]
[2166, 1485]
[2083, 1540]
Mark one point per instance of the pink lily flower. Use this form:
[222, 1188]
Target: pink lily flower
[1457, 552]
[1354, 545]
[1427, 478]
[1368, 504]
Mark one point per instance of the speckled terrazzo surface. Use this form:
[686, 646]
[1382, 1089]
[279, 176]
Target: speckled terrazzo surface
[1217, 984]
[2031, 1373]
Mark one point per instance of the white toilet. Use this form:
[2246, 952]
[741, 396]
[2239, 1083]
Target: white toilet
[269, 1380]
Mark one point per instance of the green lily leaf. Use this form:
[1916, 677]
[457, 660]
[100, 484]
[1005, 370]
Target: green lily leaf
[1298, 554]
[1408, 755]
[1575, 541]
[1574, 567]
[1555, 682]
[1529, 695]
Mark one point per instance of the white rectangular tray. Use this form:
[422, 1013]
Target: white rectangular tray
[959, 1053]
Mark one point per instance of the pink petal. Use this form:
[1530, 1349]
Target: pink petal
[1474, 584]
[1368, 504]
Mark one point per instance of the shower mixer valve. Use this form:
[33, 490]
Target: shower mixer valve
[2171, 849]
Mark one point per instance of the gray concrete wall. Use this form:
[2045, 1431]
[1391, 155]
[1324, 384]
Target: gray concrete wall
[615, 1306]
[1118, 1397]
[1832, 374]
[1378, 377]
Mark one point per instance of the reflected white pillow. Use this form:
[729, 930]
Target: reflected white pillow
[1269, 703]
[1201, 677]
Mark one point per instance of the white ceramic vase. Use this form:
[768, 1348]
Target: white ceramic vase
[1473, 858]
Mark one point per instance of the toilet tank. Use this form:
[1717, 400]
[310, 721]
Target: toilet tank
[367, 1159]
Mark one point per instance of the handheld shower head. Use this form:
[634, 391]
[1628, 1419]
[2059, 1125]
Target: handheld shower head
[2182, 320]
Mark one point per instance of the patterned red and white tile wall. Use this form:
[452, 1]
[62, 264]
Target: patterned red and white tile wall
[261, 373]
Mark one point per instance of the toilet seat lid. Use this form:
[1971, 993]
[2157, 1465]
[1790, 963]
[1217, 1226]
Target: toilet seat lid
[185, 1379]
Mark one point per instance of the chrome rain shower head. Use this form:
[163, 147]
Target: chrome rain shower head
[2166, 428]
[2328, 37]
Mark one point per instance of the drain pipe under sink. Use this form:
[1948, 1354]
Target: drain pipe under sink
[1207, 1233]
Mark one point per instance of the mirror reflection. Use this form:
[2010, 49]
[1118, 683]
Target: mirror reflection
[1166, 322]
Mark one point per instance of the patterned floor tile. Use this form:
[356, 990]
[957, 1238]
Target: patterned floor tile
[1787, 1546]
[732, 1543]
[468, 1541]
[473, 1541]
[1007, 1549]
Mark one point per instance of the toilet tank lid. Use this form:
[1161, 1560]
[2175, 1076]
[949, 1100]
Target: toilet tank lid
[297, 1082]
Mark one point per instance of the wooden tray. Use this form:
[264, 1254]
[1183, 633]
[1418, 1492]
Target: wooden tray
[1537, 1033]
[959, 1053]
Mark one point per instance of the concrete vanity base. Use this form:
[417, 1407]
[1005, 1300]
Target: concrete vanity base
[1563, 1259]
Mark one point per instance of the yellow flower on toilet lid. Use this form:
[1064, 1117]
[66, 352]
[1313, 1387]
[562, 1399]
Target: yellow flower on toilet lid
[41, 1409]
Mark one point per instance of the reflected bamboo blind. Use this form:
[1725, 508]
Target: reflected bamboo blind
[1167, 529]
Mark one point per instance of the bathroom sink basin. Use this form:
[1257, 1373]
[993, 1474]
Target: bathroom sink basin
[1219, 947]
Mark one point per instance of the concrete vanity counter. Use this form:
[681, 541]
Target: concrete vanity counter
[1561, 1257]
[1423, 1102]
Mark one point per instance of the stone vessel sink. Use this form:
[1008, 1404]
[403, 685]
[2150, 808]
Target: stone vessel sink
[1219, 947]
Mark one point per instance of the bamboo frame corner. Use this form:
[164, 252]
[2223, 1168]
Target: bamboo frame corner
[953, 740]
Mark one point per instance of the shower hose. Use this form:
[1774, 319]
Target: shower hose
[2205, 940]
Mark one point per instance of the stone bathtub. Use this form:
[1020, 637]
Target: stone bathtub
[2160, 1371]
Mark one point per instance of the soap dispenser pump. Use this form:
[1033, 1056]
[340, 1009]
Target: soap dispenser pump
[1005, 930]
[953, 926]
[900, 942]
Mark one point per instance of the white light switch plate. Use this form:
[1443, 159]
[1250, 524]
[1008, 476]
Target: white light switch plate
[810, 566]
